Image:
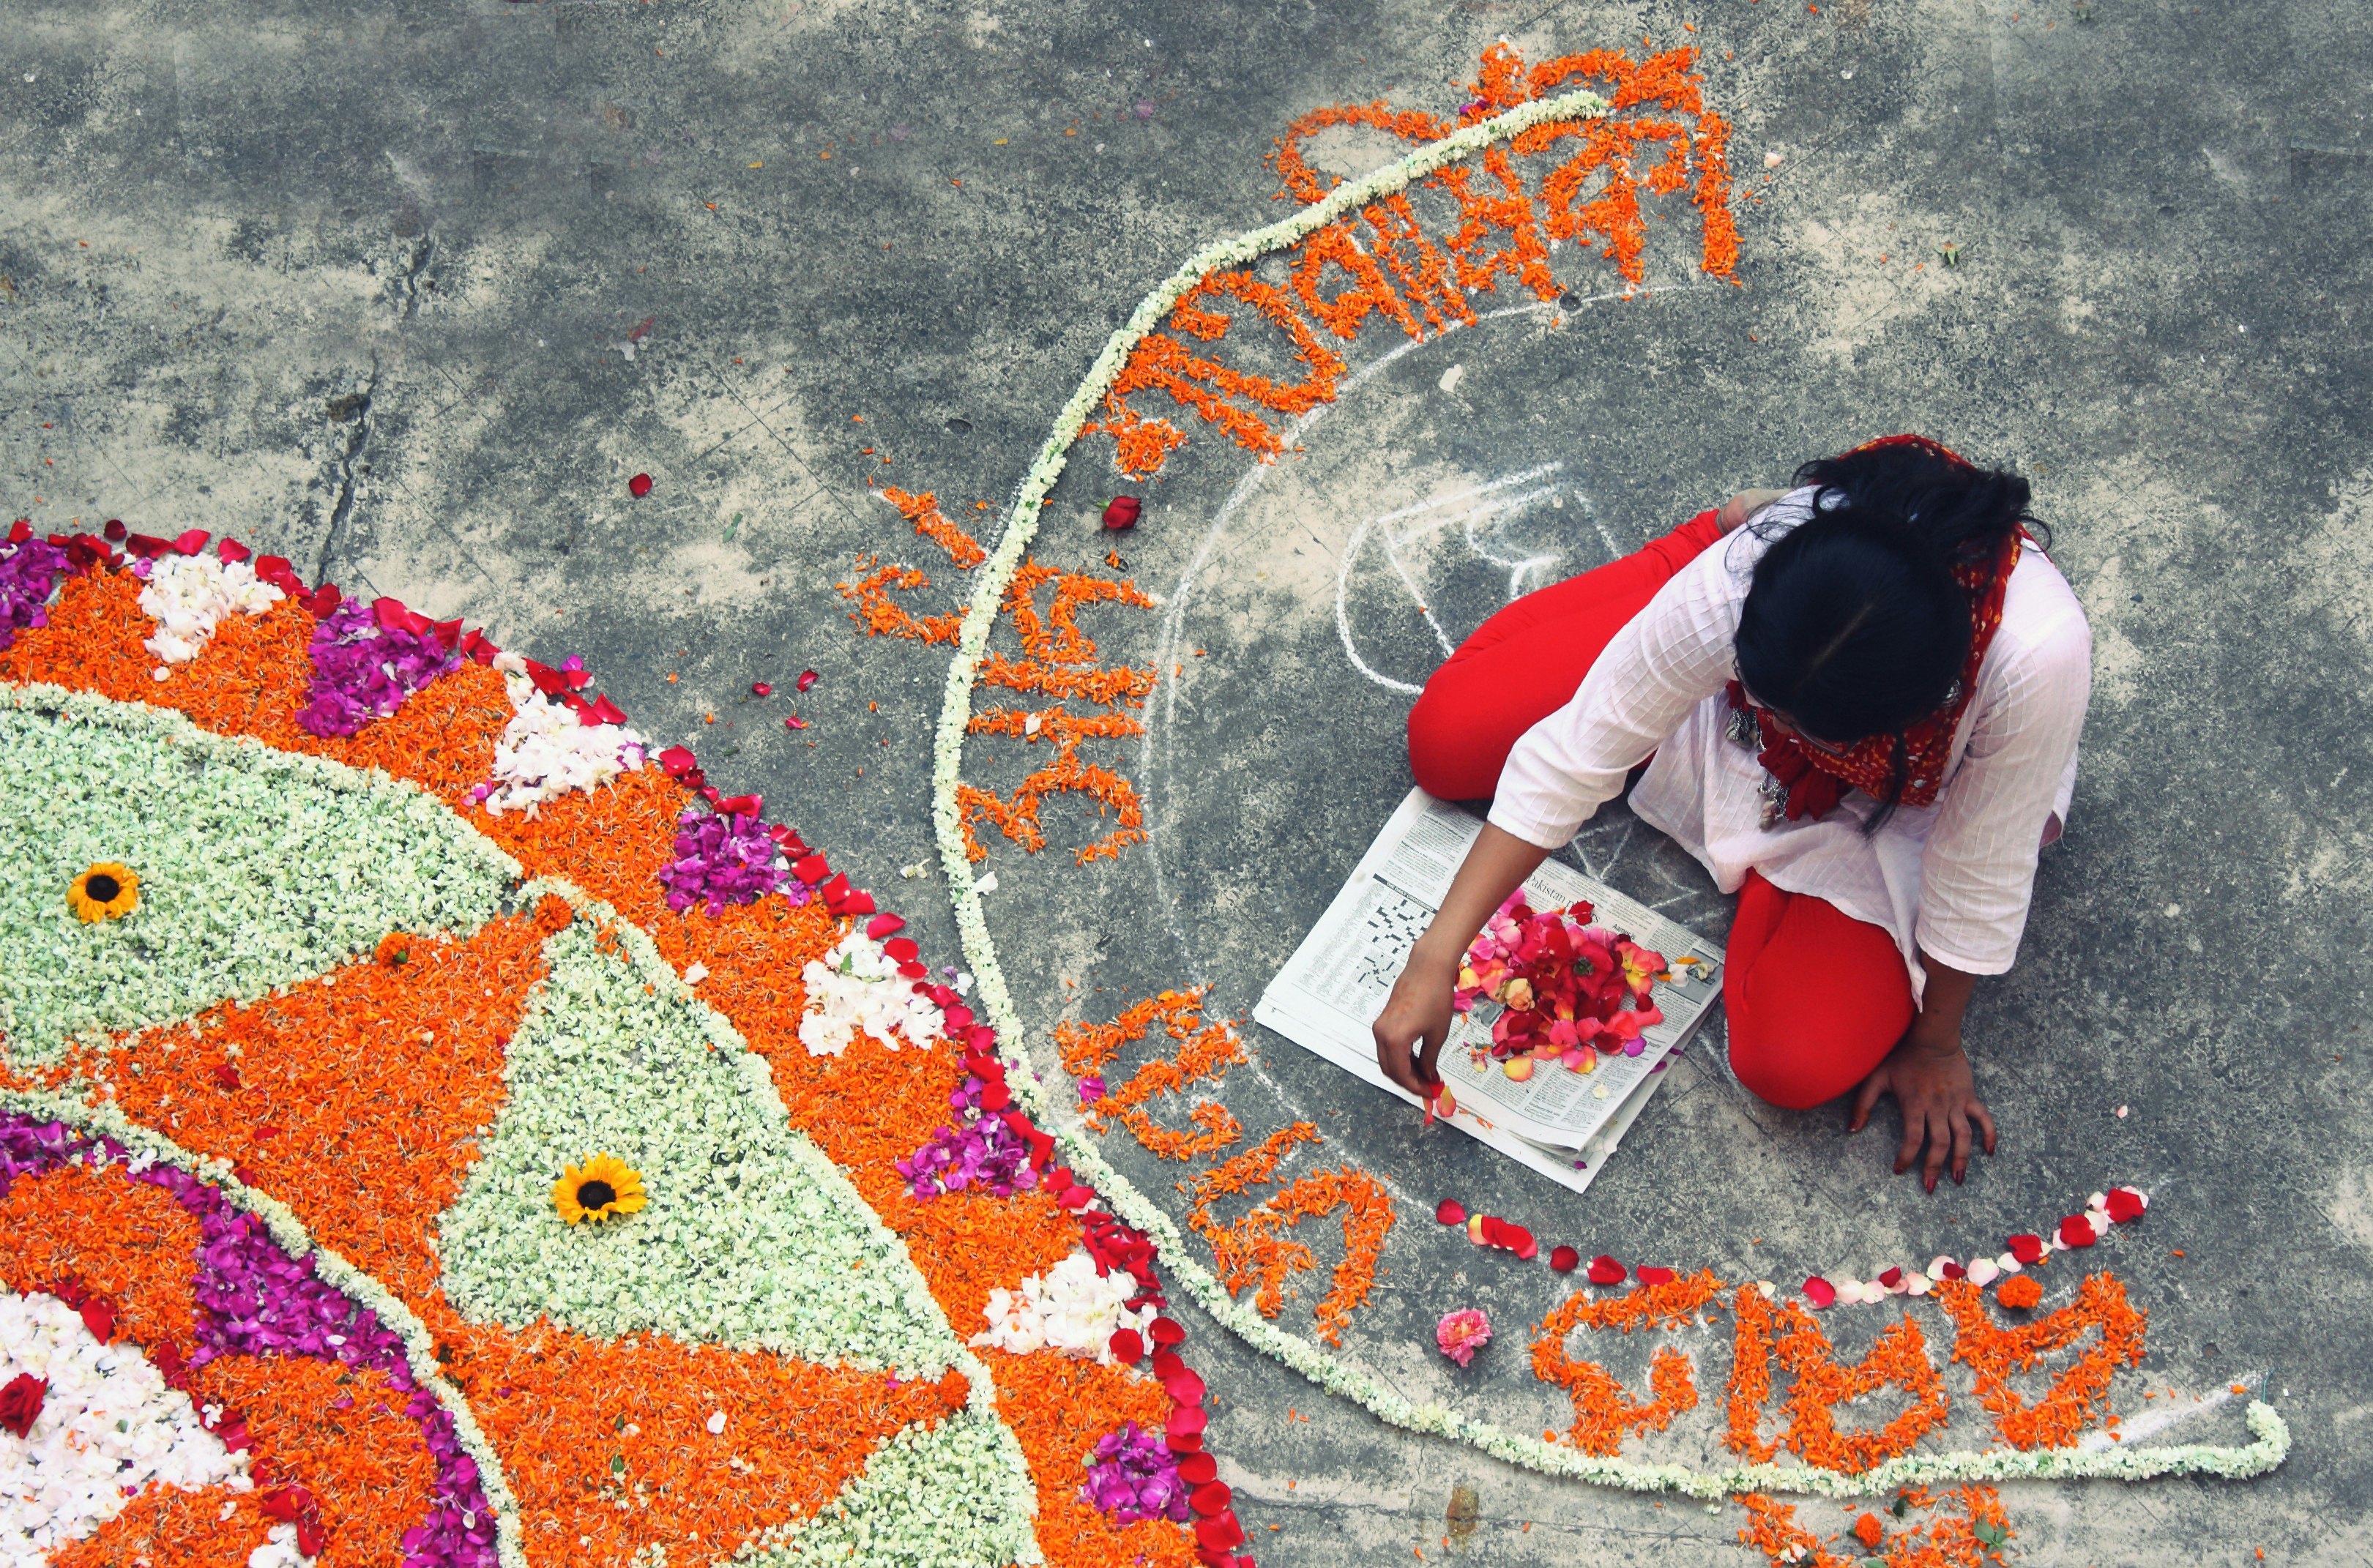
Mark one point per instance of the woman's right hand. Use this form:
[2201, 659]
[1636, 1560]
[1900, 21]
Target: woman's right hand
[1416, 1016]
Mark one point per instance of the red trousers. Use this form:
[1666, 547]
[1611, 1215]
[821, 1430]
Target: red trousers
[1815, 998]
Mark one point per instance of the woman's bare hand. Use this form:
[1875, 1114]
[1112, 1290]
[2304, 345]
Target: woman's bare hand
[1938, 1095]
[1416, 1020]
[1745, 505]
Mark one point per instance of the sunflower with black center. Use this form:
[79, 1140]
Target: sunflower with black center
[105, 891]
[603, 1186]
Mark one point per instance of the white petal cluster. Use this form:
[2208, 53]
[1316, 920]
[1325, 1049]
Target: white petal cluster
[190, 595]
[109, 1427]
[857, 987]
[1072, 1308]
[278, 1551]
[544, 752]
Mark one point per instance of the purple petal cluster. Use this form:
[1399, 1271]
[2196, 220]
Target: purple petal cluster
[29, 574]
[253, 1299]
[723, 859]
[978, 1150]
[1134, 1476]
[363, 671]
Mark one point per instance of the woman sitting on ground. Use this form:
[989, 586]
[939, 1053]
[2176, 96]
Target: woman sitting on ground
[1859, 711]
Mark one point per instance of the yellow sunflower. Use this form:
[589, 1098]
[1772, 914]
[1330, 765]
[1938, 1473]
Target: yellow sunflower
[105, 891]
[601, 1187]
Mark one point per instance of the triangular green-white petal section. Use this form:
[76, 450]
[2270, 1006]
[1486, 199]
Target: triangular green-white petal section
[751, 1237]
[257, 868]
[952, 1495]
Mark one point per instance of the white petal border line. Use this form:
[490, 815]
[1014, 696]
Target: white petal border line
[2270, 1436]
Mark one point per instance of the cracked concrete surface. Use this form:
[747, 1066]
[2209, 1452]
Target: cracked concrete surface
[406, 291]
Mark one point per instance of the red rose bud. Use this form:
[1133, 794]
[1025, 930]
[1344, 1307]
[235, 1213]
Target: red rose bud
[1125, 1346]
[639, 486]
[760, 688]
[1820, 1293]
[1651, 1275]
[807, 679]
[2076, 1230]
[1122, 511]
[1450, 1211]
[2026, 1248]
[20, 1402]
[1564, 1259]
[1604, 1270]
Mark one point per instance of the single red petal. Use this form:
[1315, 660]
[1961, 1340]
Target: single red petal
[227, 1075]
[1564, 1259]
[1122, 512]
[1166, 1331]
[2076, 1230]
[795, 722]
[1892, 1277]
[1127, 1346]
[1076, 1198]
[190, 540]
[114, 531]
[1954, 1271]
[1186, 1387]
[880, 926]
[807, 679]
[1650, 1275]
[858, 903]
[2125, 1204]
[1450, 1211]
[760, 688]
[639, 486]
[900, 949]
[1199, 1470]
[742, 805]
[995, 1097]
[958, 1016]
[1820, 1293]
[1211, 1497]
[1604, 1270]
[2026, 1248]
[232, 551]
[810, 869]
[1186, 1421]
[1219, 1532]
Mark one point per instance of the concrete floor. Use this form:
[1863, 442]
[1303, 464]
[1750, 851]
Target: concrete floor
[408, 292]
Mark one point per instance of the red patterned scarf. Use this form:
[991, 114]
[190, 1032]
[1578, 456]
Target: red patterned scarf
[1805, 781]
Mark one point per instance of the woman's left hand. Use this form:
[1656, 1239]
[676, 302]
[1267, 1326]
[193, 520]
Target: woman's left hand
[1938, 1095]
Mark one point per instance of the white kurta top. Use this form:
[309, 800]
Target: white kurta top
[1953, 879]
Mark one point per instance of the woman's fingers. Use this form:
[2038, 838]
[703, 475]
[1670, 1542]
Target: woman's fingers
[1960, 1121]
[1915, 1134]
[1864, 1099]
[1427, 1076]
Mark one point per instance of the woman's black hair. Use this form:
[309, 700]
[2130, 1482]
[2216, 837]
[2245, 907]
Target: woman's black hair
[1853, 624]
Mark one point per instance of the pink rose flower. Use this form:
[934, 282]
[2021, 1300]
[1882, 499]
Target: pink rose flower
[1462, 1333]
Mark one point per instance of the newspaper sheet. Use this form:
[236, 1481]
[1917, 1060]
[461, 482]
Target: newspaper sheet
[1562, 1124]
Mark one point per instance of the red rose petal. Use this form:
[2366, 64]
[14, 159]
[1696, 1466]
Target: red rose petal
[115, 531]
[1186, 1420]
[809, 869]
[1211, 1497]
[1122, 512]
[2076, 1230]
[1604, 1270]
[1127, 1346]
[676, 761]
[190, 540]
[958, 1015]
[858, 903]
[880, 926]
[795, 722]
[1217, 1533]
[227, 1075]
[1186, 1387]
[808, 678]
[232, 551]
[2026, 1248]
[639, 486]
[1820, 1293]
[1076, 1198]
[995, 1097]
[760, 688]
[1182, 1441]
[1564, 1259]
[1166, 1331]
[2125, 1204]
[1450, 1211]
[1650, 1275]
[742, 805]
[900, 949]
[1892, 1277]
[1166, 1361]
[1200, 1469]
[1954, 1271]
